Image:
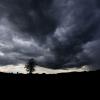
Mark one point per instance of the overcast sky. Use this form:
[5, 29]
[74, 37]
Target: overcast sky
[56, 33]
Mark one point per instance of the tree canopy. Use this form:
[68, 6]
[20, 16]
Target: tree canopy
[30, 66]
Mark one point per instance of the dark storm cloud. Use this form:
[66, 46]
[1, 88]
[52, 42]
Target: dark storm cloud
[57, 33]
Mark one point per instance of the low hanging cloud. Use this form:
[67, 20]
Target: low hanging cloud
[56, 33]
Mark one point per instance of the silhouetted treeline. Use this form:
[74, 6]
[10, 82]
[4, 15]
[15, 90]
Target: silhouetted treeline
[67, 76]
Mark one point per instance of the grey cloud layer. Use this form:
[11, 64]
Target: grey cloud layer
[57, 33]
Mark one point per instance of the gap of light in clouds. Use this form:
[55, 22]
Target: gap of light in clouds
[40, 70]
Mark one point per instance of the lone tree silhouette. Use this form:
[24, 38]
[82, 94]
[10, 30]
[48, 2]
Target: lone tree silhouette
[30, 66]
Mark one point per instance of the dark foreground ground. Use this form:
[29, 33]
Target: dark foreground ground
[63, 76]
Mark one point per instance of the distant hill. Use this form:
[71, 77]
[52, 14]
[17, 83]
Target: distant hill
[62, 76]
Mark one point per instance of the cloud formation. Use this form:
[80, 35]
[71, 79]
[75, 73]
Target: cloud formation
[56, 33]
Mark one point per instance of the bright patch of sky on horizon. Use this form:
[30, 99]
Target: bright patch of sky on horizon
[39, 70]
